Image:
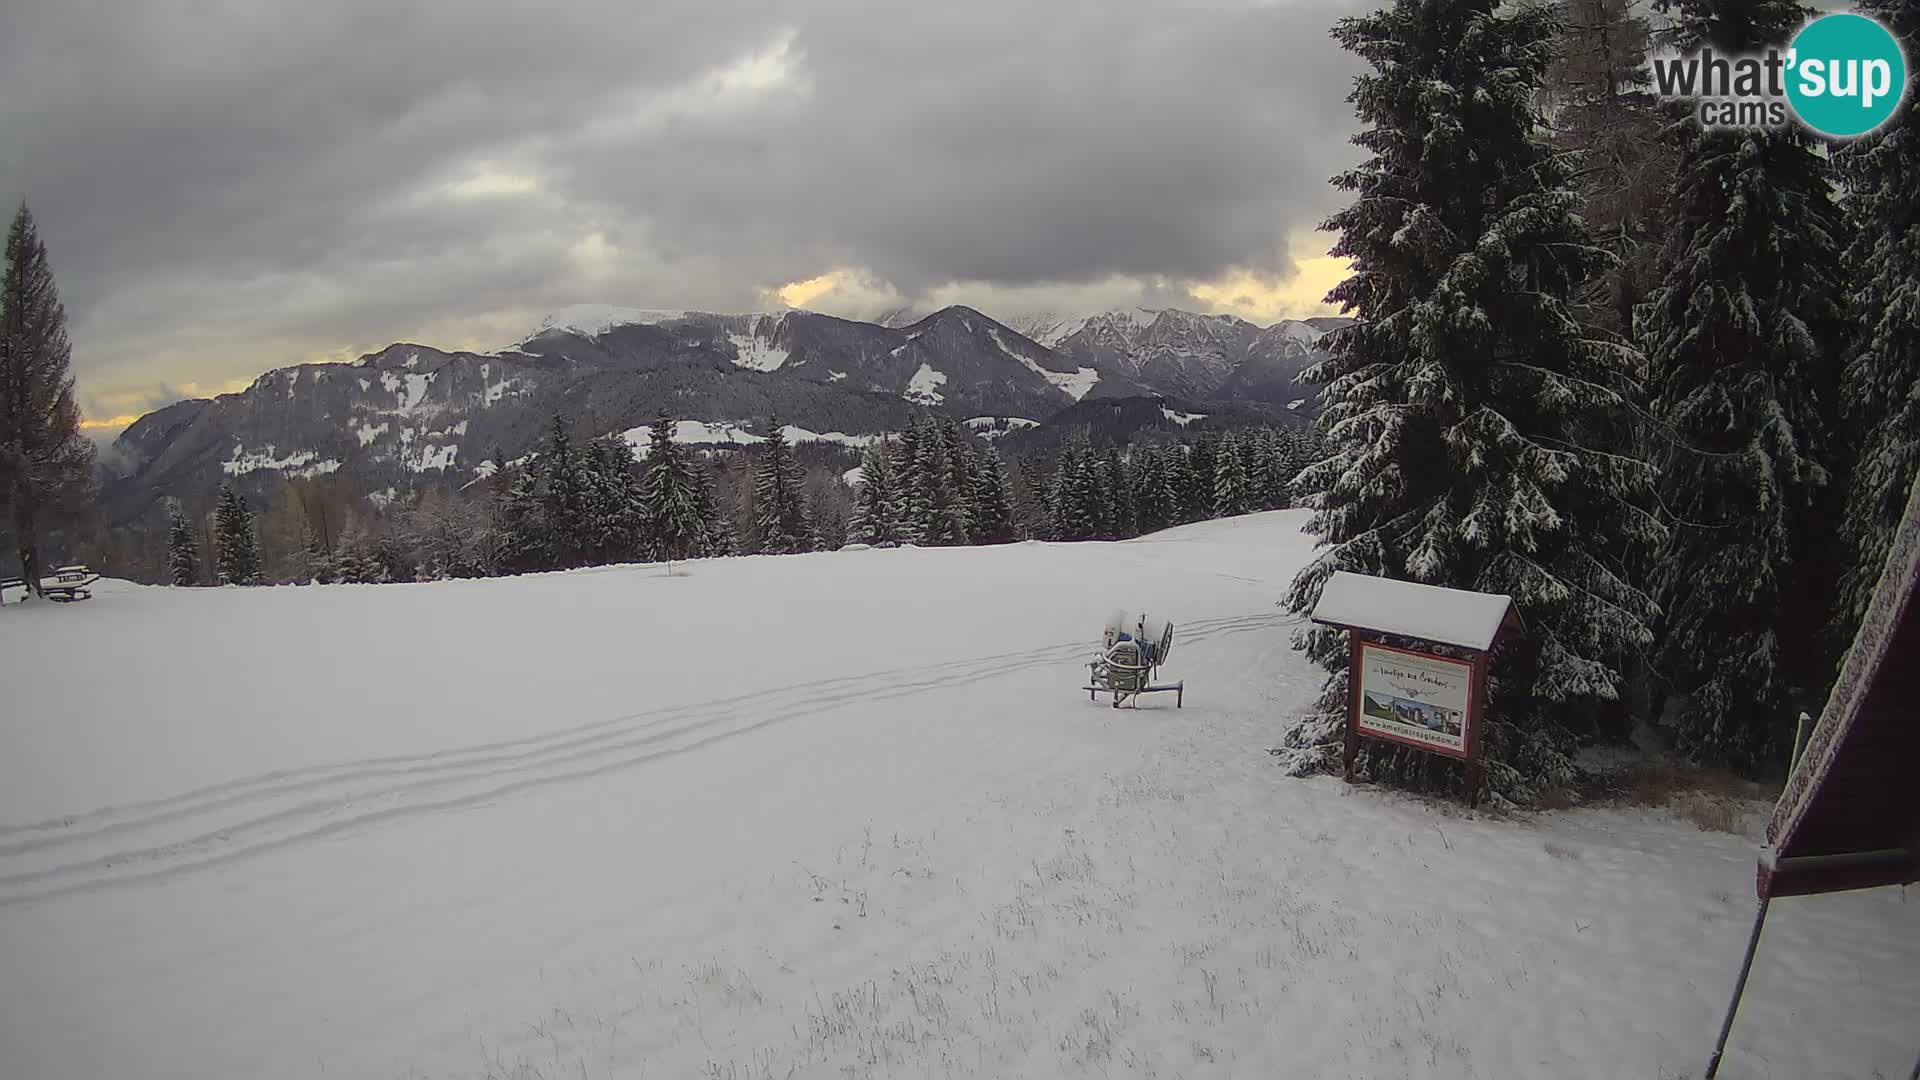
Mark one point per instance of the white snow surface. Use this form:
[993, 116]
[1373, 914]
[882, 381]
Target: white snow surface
[751, 352]
[303, 463]
[924, 386]
[1074, 384]
[1450, 616]
[592, 320]
[992, 428]
[722, 433]
[620, 823]
[1301, 332]
[1181, 418]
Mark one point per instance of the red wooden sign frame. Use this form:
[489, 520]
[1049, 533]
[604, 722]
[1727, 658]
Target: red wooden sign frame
[1476, 704]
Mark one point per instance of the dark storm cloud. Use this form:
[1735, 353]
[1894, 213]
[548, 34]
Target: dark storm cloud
[225, 190]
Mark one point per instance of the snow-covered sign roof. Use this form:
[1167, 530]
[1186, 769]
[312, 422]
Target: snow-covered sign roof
[1470, 620]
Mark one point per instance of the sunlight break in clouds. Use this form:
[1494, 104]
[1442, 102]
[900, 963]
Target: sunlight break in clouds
[1253, 295]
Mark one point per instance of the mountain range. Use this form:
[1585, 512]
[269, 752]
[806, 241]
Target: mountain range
[411, 415]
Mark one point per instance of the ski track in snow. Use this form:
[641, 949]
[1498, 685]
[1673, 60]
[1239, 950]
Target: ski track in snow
[441, 831]
[240, 827]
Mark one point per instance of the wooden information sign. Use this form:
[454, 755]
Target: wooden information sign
[1427, 700]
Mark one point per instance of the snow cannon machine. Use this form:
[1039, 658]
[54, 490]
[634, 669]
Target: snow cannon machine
[1132, 648]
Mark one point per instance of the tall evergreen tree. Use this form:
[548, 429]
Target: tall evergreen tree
[1452, 403]
[1117, 497]
[877, 509]
[938, 511]
[961, 475]
[1179, 469]
[1232, 487]
[780, 512]
[916, 491]
[670, 498]
[561, 480]
[183, 553]
[716, 525]
[524, 544]
[237, 554]
[992, 505]
[1881, 398]
[1744, 336]
[1158, 503]
[618, 525]
[1597, 93]
[1027, 491]
[1072, 495]
[1200, 478]
[46, 465]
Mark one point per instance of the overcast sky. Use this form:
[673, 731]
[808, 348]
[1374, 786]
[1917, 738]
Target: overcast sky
[228, 188]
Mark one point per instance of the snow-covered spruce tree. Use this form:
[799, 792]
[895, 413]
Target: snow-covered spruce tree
[1116, 497]
[992, 506]
[1092, 466]
[183, 553]
[1200, 479]
[934, 502]
[237, 555]
[956, 495]
[716, 525]
[1067, 517]
[1744, 336]
[1143, 475]
[1295, 455]
[46, 465]
[617, 522]
[524, 544]
[1178, 467]
[876, 502]
[1027, 491]
[916, 494]
[561, 480]
[1881, 389]
[1232, 487]
[780, 523]
[670, 507]
[1449, 405]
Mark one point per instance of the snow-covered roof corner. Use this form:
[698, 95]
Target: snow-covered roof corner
[1469, 620]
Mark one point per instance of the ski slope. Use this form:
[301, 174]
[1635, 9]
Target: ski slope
[823, 816]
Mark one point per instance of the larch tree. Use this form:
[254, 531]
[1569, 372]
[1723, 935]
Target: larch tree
[1597, 94]
[46, 465]
[1744, 337]
[1452, 407]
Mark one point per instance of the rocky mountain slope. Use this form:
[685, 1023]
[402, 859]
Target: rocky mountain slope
[411, 415]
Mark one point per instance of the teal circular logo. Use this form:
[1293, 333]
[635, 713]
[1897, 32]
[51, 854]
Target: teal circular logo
[1845, 75]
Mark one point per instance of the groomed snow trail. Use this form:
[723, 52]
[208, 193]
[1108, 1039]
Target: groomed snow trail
[833, 815]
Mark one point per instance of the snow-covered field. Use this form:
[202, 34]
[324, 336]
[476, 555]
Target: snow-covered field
[822, 816]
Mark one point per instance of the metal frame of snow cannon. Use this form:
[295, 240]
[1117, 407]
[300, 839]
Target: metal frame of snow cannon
[1123, 671]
